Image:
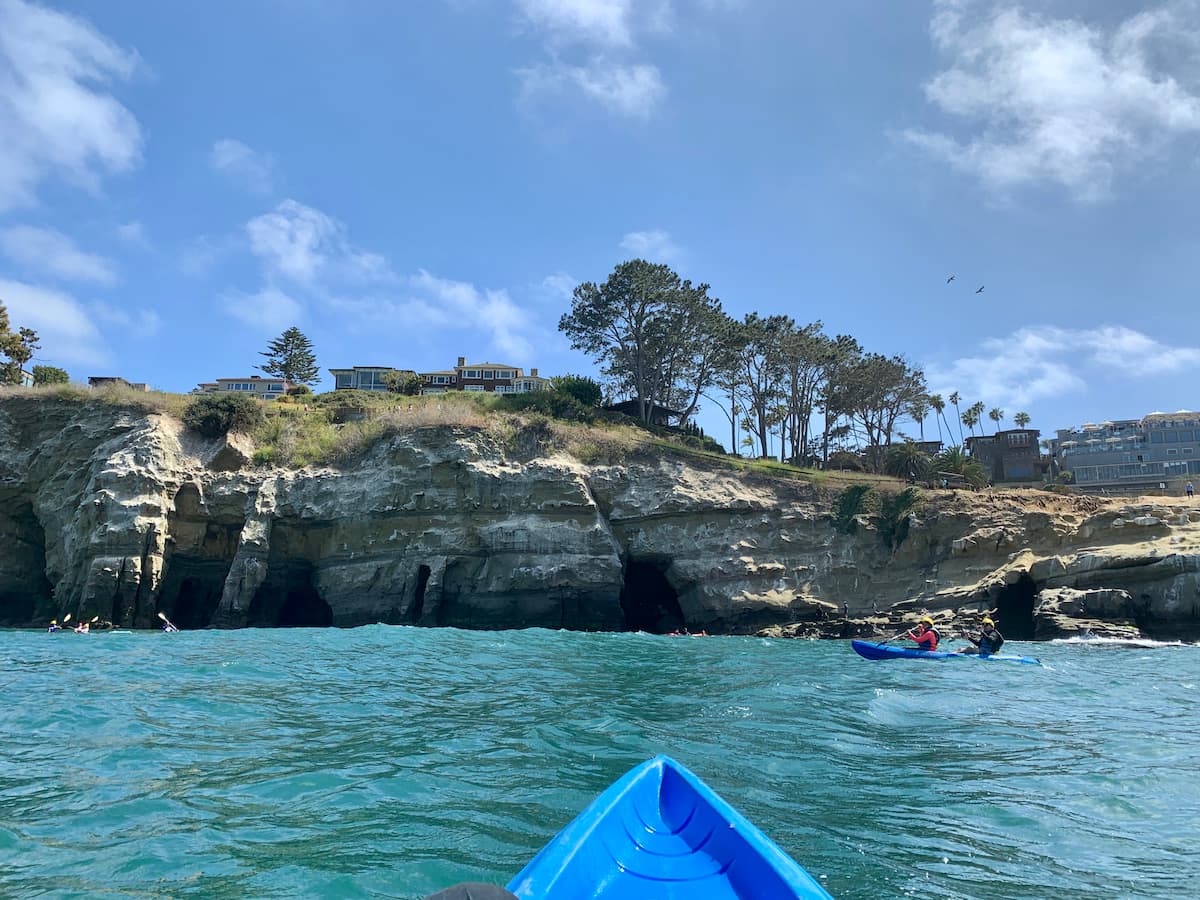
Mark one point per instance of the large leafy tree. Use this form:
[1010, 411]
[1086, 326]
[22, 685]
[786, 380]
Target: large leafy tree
[655, 335]
[290, 357]
[875, 391]
[49, 375]
[761, 368]
[17, 347]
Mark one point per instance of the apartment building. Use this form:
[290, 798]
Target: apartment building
[1160, 450]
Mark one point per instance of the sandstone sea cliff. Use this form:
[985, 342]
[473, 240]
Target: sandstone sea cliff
[121, 513]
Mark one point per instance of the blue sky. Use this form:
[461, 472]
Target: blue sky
[413, 182]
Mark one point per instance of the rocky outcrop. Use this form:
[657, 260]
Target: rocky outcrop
[112, 512]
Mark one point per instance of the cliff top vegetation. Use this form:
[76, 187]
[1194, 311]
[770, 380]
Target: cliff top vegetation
[340, 427]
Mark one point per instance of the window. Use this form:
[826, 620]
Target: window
[471, 373]
[1156, 437]
[1172, 451]
[472, 387]
[489, 374]
[506, 373]
[1185, 436]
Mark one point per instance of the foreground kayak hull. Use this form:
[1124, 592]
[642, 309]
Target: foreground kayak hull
[660, 833]
[871, 650]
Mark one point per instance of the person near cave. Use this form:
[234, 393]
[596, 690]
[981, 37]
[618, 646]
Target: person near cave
[989, 640]
[926, 635]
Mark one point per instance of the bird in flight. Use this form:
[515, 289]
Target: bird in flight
[980, 291]
[950, 279]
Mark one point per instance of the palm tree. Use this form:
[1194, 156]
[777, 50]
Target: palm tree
[973, 415]
[907, 460]
[955, 461]
[996, 414]
[954, 398]
[918, 408]
[1022, 419]
[937, 404]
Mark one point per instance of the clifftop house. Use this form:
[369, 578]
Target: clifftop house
[95, 381]
[488, 377]
[365, 378]
[253, 386]
[1010, 455]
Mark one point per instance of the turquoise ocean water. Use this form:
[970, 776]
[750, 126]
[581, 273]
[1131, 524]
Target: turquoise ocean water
[391, 762]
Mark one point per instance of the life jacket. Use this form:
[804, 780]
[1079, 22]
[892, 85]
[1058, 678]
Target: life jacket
[937, 638]
[990, 644]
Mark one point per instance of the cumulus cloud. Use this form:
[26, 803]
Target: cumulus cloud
[593, 50]
[593, 21]
[1034, 363]
[66, 331]
[308, 247]
[308, 261]
[57, 117]
[1060, 101]
[51, 252]
[632, 91]
[252, 170]
[653, 246]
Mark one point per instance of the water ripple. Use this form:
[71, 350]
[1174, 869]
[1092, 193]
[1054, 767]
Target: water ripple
[390, 762]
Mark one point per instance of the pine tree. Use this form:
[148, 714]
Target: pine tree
[290, 357]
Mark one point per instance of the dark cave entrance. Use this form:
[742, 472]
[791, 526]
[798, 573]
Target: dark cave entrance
[289, 598]
[648, 601]
[200, 552]
[24, 588]
[1014, 609]
[418, 604]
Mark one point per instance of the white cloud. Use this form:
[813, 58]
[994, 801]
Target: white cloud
[493, 310]
[593, 21]
[52, 252]
[632, 91]
[268, 310]
[56, 117]
[1060, 100]
[308, 247]
[559, 286]
[139, 323]
[1034, 363]
[653, 246]
[67, 333]
[252, 170]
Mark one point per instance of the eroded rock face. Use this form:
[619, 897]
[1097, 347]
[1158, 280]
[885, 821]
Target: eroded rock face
[115, 513]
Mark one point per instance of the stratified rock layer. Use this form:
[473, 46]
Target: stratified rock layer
[112, 512]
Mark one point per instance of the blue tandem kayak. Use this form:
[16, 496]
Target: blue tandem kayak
[660, 833]
[871, 650]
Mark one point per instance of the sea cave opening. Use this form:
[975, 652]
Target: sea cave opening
[418, 604]
[289, 598]
[648, 601]
[1014, 609]
[24, 588]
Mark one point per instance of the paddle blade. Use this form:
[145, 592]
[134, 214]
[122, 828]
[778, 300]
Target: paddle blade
[66, 618]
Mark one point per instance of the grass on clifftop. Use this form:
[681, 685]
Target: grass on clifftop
[304, 431]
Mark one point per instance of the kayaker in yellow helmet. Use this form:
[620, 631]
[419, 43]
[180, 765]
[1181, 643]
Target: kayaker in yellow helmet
[988, 641]
[925, 634]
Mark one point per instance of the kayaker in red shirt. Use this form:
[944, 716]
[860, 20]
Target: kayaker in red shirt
[926, 635]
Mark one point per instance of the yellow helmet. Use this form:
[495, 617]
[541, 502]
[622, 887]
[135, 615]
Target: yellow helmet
[987, 620]
[925, 620]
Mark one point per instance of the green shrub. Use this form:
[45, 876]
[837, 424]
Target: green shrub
[548, 403]
[893, 519]
[300, 390]
[582, 388]
[214, 416]
[850, 503]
